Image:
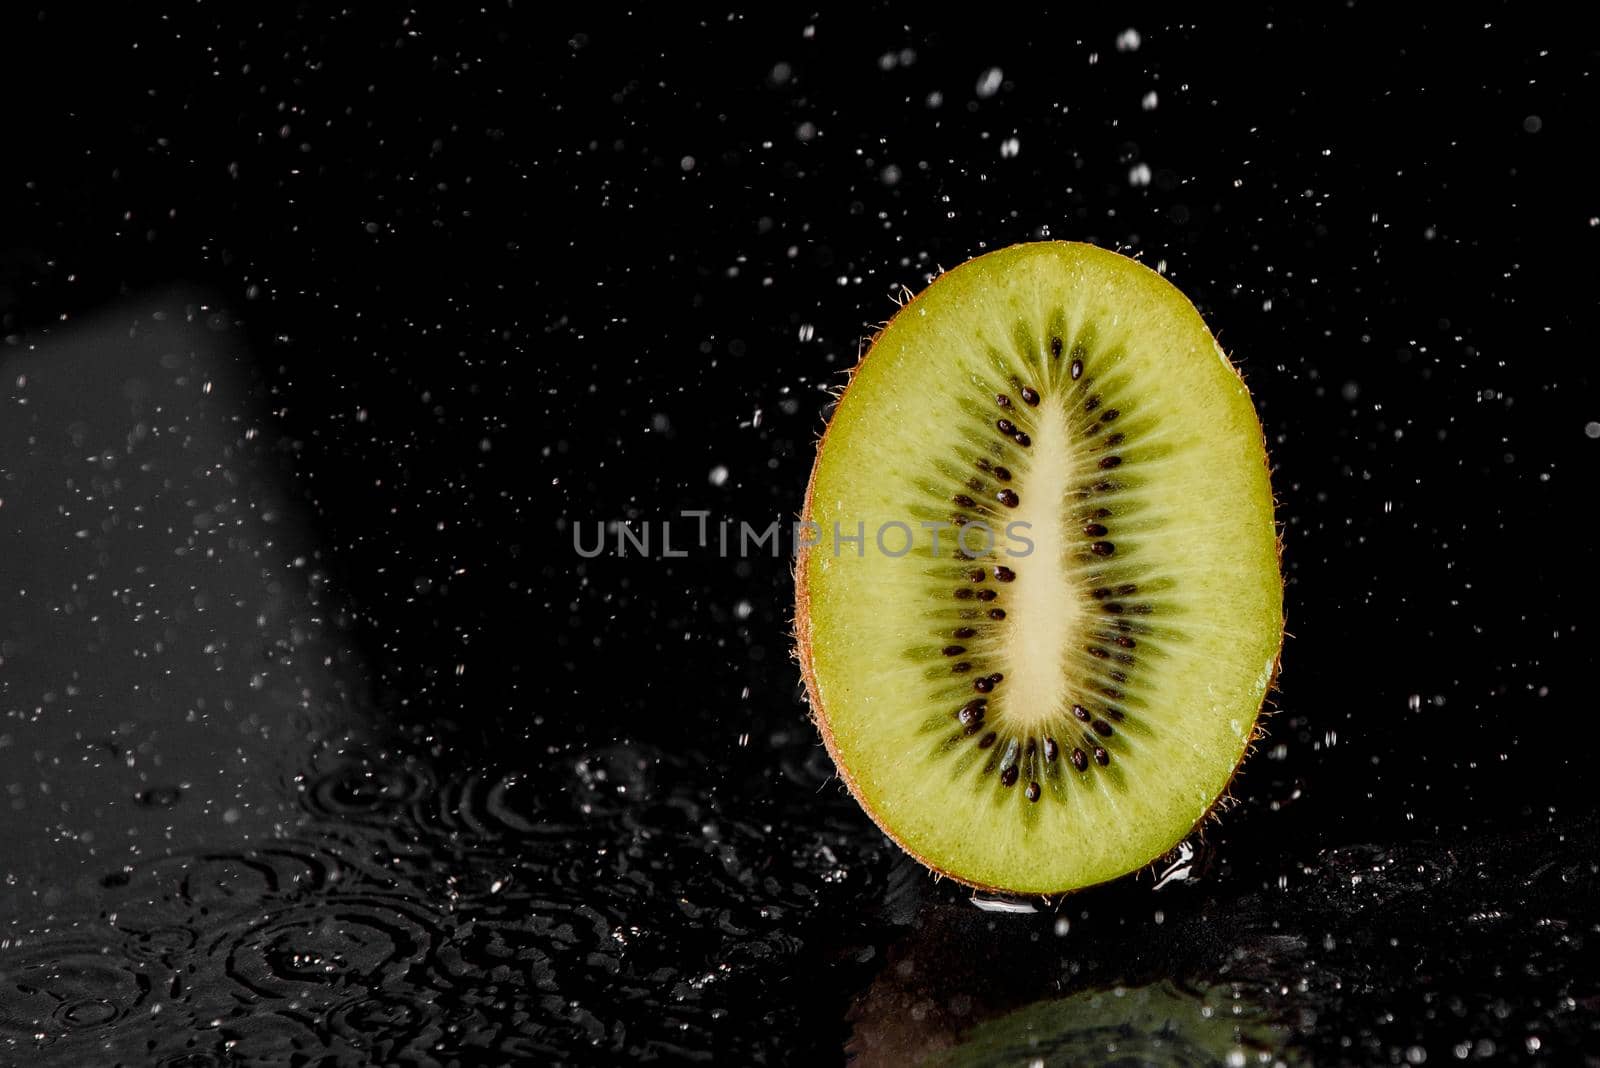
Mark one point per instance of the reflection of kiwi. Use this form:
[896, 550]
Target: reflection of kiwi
[1061, 689]
[1148, 1025]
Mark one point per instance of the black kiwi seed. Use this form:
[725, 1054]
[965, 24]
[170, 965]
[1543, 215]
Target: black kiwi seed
[1008, 498]
[960, 669]
[1055, 348]
[1109, 414]
[997, 613]
[987, 740]
[1082, 713]
[982, 685]
[1022, 439]
[1033, 791]
[1102, 728]
[987, 595]
[1077, 370]
[1003, 474]
[970, 713]
[1092, 403]
[964, 501]
[1030, 396]
[1008, 776]
[1093, 530]
[1004, 426]
[1079, 759]
[1108, 462]
[1004, 574]
[1101, 757]
[982, 464]
[954, 650]
[962, 632]
[977, 574]
[1050, 750]
[1102, 548]
[963, 594]
[1116, 439]
[1002, 400]
[996, 677]
[1097, 652]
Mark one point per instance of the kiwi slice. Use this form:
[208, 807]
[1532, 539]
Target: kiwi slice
[1060, 687]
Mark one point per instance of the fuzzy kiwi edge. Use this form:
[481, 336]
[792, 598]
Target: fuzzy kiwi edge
[802, 616]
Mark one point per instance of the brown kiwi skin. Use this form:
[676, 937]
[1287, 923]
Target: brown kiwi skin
[802, 653]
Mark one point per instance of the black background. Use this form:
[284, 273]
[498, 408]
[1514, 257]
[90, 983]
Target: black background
[508, 270]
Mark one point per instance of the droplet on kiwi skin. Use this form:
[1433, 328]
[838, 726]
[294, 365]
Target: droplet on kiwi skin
[1008, 764]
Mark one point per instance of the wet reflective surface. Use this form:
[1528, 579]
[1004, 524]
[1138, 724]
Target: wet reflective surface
[321, 745]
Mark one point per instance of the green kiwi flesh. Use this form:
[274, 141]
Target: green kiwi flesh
[1061, 692]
